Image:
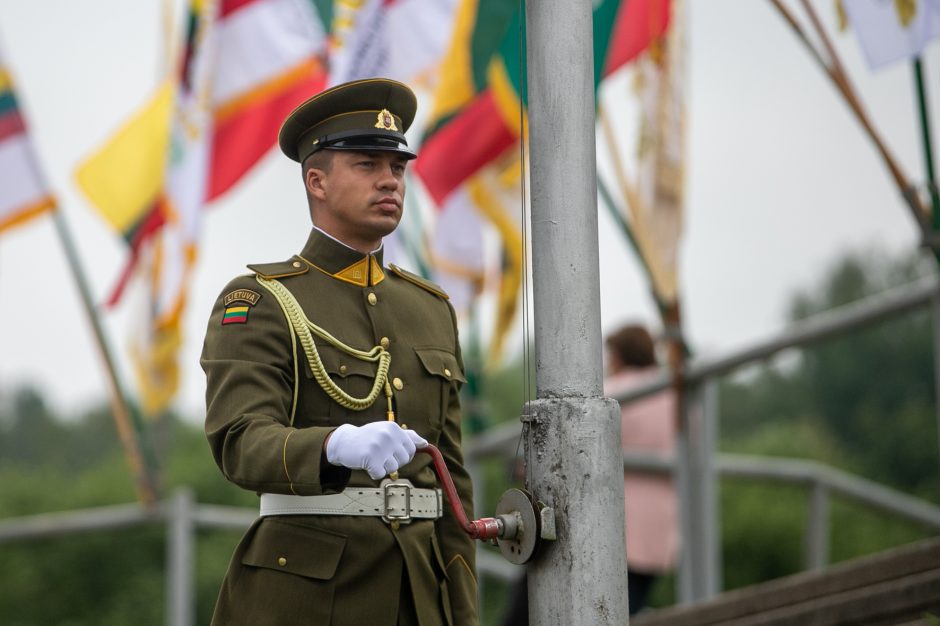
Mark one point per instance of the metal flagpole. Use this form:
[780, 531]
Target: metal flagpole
[573, 456]
[129, 428]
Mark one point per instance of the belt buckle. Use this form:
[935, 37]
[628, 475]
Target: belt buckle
[396, 489]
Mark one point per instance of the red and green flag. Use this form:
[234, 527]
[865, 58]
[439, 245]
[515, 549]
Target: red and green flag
[479, 106]
[469, 160]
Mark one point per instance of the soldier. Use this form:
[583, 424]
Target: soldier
[325, 373]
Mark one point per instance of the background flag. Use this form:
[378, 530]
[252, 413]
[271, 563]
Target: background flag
[398, 39]
[655, 202]
[169, 255]
[124, 177]
[23, 192]
[893, 30]
[270, 56]
[470, 161]
[243, 66]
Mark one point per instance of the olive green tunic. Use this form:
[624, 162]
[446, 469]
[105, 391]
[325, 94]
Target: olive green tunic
[267, 419]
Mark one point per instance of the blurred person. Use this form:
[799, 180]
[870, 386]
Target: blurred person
[651, 505]
[325, 373]
[648, 425]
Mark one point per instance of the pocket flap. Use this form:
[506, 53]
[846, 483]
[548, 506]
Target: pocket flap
[300, 550]
[338, 364]
[440, 362]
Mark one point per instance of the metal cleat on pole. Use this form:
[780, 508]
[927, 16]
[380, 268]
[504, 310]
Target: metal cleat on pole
[520, 525]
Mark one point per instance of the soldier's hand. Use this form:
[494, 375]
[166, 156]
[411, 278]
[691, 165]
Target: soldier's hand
[379, 447]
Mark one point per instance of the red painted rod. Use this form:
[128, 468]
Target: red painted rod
[482, 529]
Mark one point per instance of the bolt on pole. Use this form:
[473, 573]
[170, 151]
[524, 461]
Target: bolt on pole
[573, 457]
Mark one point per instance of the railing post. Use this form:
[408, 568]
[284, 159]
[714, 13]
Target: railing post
[711, 488]
[181, 530]
[685, 575]
[700, 560]
[816, 543]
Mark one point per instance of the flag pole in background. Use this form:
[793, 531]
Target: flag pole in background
[632, 199]
[889, 32]
[837, 71]
[24, 194]
[917, 66]
[837, 75]
[137, 450]
[615, 213]
[933, 240]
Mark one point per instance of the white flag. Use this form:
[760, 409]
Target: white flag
[893, 30]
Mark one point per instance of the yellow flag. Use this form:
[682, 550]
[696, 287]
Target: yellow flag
[124, 177]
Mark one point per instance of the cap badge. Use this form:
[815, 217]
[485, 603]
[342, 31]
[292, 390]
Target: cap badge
[385, 120]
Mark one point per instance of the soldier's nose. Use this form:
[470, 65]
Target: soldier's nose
[388, 180]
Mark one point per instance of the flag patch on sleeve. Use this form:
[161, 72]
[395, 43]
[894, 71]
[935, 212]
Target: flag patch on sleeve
[237, 314]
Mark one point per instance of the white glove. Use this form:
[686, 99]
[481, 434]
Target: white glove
[380, 448]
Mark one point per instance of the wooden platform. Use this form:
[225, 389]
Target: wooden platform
[896, 587]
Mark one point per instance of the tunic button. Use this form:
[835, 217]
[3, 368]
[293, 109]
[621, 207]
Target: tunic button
[372, 299]
[397, 384]
[446, 372]
[384, 342]
[297, 264]
[342, 369]
[282, 561]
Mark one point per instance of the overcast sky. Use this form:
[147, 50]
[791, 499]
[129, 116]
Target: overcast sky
[780, 182]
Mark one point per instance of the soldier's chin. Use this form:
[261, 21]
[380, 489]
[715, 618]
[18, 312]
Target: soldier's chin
[388, 224]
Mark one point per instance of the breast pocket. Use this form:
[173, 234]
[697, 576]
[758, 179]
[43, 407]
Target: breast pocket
[444, 376]
[353, 376]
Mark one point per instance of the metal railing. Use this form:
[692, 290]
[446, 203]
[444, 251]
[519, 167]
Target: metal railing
[696, 467]
[183, 516]
[821, 482]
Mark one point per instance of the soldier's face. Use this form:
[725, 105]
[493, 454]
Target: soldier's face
[361, 196]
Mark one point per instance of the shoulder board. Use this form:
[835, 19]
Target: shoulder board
[293, 267]
[417, 280]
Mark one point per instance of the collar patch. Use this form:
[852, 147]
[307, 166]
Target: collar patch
[360, 272]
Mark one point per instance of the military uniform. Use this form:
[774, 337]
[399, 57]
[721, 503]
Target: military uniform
[268, 418]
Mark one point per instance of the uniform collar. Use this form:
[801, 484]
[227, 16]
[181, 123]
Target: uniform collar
[338, 260]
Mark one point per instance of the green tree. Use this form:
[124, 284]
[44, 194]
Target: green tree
[874, 390]
[863, 402]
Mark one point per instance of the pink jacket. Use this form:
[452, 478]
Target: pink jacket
[651, 507]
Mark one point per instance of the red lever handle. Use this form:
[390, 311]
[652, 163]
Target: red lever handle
[483, 529]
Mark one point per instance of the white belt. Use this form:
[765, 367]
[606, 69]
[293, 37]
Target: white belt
[394, 501]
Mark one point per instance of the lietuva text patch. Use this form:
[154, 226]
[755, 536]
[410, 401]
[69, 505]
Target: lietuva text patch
[241, 295]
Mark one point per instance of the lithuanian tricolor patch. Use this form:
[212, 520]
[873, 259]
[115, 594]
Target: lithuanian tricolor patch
[237, 314]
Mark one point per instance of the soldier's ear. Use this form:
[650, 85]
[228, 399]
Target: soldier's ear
[314, 181]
